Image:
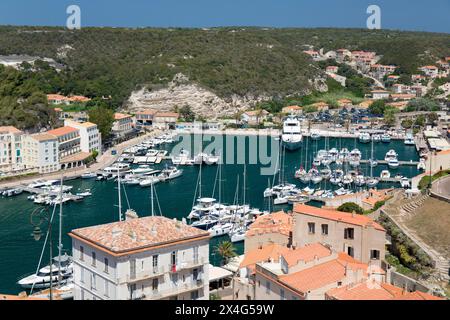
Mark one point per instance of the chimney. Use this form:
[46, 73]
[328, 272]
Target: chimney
[130, 214]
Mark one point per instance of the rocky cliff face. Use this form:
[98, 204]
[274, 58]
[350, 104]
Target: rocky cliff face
[181, 92]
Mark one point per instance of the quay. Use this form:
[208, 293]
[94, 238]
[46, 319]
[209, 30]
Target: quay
[402, 163]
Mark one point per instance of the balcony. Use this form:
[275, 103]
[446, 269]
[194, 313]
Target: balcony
[186, 265]
[179, 289]
[143, 275]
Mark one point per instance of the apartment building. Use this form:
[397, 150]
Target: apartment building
[307, 273]
[357, 235]
[145, 117]
[165, 120]
[41, 152]
[343, 54]
[430, 71]
[10, 149]
[380, 94]
[275, 228]
[150, 258]
[90, 136]
[122, 125]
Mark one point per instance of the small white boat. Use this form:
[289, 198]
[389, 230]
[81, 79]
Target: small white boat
[315, 136]
[393, 163]
[238, 235]
[220, 229]
[347, 179]
[376, 138]
[385, 174]
[386, 138]
[409, 140]
[88, 175]
[280, 199]
[391, 154]
[422, 164]
[404, 182]
[364, 137]
[170, 173]
[147, 182]
[372, 182]
[86, 193]
[142, 169]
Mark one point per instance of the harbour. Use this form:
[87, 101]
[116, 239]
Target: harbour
[175, 199]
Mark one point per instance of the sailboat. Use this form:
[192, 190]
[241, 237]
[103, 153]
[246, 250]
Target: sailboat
[371, 182]
[60, 270]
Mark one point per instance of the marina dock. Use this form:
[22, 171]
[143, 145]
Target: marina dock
[402, 163]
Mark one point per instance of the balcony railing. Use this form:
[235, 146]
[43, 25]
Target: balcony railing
[184, 265]
[144, 275]
[179, 289]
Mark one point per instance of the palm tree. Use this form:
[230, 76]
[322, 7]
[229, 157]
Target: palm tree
[226, 250]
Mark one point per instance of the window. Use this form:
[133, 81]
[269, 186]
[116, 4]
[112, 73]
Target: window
[267, 287]
[194, 295]
[93, 282]
[173, 258]
[349, 233]
[106, 288]
[195, 254]
[132, 268]
[82, 294]
[195, 274]
[132, 291]
[155, 263]
[81, 253]
[93, 259]
[82, 275]
[311, 227]
[324, 229]
[282, 297]
[155, 283]
[375, 254]
[350, 251]
[106, 265]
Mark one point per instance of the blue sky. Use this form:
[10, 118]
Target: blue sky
[429, 15]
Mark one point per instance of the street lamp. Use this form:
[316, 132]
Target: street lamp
[37, 218]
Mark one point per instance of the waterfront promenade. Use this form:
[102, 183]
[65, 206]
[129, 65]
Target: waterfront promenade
[105, 160]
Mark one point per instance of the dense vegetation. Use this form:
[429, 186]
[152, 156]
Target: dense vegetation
[351, 207]
[112, 62]
[405, 252]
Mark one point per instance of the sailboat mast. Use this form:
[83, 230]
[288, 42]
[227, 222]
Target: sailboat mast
[120, 195]
[60, 246]
[200, 181]
[245, 178]
[151, 200]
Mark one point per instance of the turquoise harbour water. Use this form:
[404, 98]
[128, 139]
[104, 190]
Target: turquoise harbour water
[19, 253]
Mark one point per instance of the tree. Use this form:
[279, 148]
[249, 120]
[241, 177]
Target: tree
[420, 120]
[422, 104]
[351, 207]
[377, 107]
[389, 116]
[103, 118]
[407, 123]
[226, 250]
[187, 114]
[432, 117]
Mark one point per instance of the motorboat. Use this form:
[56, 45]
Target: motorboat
[142, 169]
[409, 140]
[405, 183]
[41, 280]
[390, 155]
[315, 136]
[360, 180]
[306, 178]
[393, 163]
[204, 207]
[376, 138]
[12, 192]
[371, 182]
[238, 234]
[364, 137]
[86, 193]
[170, 173]
[385, 174]
[149, 181]
[356, 153]
[182, 158]
[88, 175]
[347, 179]
[211, 159]
[325, 173]
[280, 199]
[422, 164]
[300, 172]
[205, 223]
[220, 229]
[386, 138]
[292, 135]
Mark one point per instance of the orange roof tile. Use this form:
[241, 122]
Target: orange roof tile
[266, 253]
[62, 131]
[306, 254]
[43, 137]
[322, 275]
[355, 219]
[120, 238]
[9, 129]
[277, 222]
[167, 114]
[147, 112]
[120, 116]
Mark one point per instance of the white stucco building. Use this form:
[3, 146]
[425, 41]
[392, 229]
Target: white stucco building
[90, 136]
[122, 125]
[41, 152]
[150, 258]
[10, 148]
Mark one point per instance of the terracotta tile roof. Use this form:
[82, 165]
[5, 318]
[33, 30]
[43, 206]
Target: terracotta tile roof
[56, 97]
[43, 137]
[166, 115]
[9, 129]
[278, 222]
[78, 99]
[62, 131]
[120, 116]
[429, 67]
[441, 153]
[323, 274]
[264, 254]
[376, 291]
[355, 219]
[306, 254]
[147, 112]
[80, 156]
[120, 238]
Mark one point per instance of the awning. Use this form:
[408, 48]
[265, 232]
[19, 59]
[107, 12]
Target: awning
[217, 273]
[234, 263]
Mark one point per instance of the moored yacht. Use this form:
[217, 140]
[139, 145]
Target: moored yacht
[292, 134]
[364, 137]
